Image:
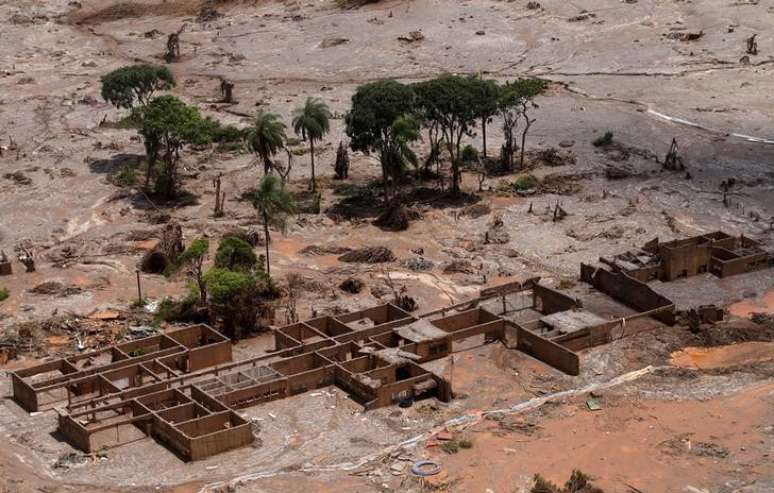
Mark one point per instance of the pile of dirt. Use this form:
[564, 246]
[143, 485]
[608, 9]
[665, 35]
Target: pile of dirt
[55, 288]
[369, 255]
[496, 233]
[166, 252]
[18, 177]
[554, 157]
[352, 285]
[477, 210]
[133, 10]
[459, 267]
[563, 184]
[417, 264]
[397, 218]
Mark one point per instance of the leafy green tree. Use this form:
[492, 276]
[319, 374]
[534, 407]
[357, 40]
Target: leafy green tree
[370, 122]
[449, 101]
[235, 254]
[235, 298]
[126, 86]
[168, 124]
[485, 94]
[274, 204]
[193, 258]
[311, 122]
[266, 138]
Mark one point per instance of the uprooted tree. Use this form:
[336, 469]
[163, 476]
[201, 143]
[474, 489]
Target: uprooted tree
[135, 84]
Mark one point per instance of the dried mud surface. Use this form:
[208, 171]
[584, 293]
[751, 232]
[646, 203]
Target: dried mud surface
[618, 70]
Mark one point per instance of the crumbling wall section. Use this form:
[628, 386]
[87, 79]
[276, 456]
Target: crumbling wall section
[630, 291]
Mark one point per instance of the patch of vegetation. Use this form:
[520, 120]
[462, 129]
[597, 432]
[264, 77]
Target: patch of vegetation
[578, 483]
[603, 140]
[525, 182]
[469, 154]
[235, 254]
[4, 294]
[466, 444]
[450, 447]
[125, 177]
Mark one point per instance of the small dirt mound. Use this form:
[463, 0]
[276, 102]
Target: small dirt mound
[369, 255]
[397, 218]
[459, 267]
[133, 10]
[352, 285]
[55, 288]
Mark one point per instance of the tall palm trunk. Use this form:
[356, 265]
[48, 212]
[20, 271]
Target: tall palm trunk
[483, 134]
[268, 239]
[311, 151]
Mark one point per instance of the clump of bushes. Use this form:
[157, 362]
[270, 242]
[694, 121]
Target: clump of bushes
[454, 446]
[525, 182]
[236, 254]
[232, 292]
[578, 483]
[469, 154]
[603, 140]
[4, 294]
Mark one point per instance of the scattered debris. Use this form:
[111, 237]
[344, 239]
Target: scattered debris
[397, 217]
[417, 264]
[55, 288]
[369, 255]
[19, 178]
[324, 250]
[331, 42]
[412, 37]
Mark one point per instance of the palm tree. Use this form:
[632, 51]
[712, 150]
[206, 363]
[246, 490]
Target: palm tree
[311, 122]
[274, 204]
[266, 138]
[397, 153]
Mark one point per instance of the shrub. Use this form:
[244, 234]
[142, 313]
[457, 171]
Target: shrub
[525, 182]
[469, 154]
[4, 294]
[125, 177]
[466, 444]
[450, 447]
[235, 297]
[604, 140]
[235, 254]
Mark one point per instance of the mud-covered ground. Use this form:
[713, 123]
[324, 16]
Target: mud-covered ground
[618, 68]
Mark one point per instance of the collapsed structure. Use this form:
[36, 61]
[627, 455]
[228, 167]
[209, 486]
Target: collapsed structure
[183, 388]
[717, 253]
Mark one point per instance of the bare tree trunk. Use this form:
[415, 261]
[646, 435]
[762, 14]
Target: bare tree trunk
[311, 151]
[483, 134]
[524, 139]
[268, 240]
